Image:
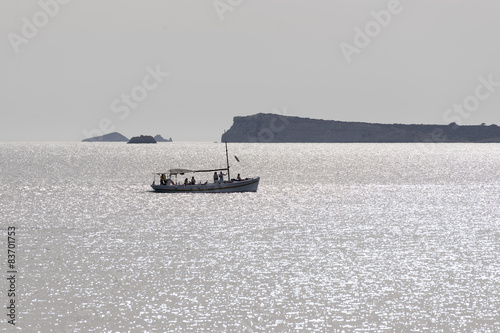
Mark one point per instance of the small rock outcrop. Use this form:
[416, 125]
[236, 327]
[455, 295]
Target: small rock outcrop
[111, 137]
[159, 138]
[142, 139]
[278, 128]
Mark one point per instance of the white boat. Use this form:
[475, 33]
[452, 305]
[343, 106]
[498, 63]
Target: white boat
[172, 185]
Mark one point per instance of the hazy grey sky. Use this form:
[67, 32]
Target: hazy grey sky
[68, 66]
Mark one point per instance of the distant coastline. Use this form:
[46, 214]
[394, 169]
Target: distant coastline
[117, 137]
[267, 127]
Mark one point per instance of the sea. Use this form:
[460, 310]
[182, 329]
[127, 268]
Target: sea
[338, 238]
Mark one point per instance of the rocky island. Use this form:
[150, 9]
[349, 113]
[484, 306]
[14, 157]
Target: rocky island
[111, 137]
[159, 138]
[142, 139]
[265, 127]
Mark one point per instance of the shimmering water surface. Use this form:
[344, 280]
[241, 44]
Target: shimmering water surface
[339, 237]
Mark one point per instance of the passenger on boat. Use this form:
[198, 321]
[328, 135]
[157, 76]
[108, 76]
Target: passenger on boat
[239, 177]
[163, 179]
[221, 177]
[216, 178]
[193, 181]
[186, 182]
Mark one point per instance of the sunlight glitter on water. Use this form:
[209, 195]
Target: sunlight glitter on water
[354, 237]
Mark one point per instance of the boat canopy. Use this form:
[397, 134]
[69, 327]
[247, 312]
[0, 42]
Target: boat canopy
[183, 171]
[180, 171]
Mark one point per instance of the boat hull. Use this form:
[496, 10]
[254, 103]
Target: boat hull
[247, 185]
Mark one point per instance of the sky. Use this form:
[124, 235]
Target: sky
[72, 69]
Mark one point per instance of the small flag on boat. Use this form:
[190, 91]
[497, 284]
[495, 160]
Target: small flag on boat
[236, 158]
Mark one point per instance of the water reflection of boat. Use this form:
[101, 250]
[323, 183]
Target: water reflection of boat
[170, 183]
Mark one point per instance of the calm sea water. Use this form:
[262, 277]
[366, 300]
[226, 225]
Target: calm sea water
[339, 237]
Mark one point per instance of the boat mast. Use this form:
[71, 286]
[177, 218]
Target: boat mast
[227, 159]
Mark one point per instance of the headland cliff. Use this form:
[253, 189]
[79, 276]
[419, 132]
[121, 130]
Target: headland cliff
[265, 127]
